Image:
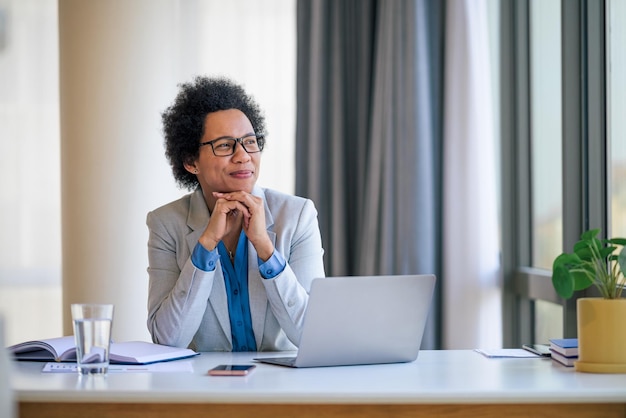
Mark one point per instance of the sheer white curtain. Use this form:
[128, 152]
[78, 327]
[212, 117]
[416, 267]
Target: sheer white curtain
[472, 291]
[8, 406]
[254, 43]
[251, 42]
[30, 250]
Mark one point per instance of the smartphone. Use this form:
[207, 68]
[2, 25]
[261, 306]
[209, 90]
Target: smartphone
[539, 349]
[232, 370]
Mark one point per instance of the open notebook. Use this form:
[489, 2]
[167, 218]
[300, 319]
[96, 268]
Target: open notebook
[129, 352]
[362, 320]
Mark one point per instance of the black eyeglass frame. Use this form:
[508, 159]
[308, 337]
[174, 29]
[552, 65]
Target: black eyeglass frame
[260, 139]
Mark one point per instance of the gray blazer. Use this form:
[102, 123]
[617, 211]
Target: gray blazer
[187, 307]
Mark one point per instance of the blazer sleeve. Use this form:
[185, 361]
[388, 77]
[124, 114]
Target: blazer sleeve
[288, 292]
[177, 297]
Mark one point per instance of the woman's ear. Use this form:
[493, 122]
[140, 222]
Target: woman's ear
[191, 167]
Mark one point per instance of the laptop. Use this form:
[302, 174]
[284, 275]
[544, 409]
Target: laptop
[362, 320]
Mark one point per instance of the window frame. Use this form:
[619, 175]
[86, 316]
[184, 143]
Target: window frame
[584, 148]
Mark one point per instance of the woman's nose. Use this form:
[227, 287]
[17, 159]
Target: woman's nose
[240, 154]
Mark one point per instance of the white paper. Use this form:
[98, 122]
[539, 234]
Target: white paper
[169, 366]
[506, 353]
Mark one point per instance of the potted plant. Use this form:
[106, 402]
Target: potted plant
[601, 333]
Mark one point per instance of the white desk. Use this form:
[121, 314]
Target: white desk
[441, 383]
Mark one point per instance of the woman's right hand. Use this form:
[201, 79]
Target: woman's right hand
[227, 216]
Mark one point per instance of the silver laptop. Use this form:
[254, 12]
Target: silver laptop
[362, 320]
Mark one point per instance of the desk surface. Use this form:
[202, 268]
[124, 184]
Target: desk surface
[437, 377]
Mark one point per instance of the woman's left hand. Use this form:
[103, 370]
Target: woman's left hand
[253, 221]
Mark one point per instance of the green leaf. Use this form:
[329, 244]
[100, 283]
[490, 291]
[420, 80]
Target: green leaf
[607, 251]
[581, 280]
[621, 260]
[562, 281]
[581, 245]
[584, 253]
[566, 260]
[590, 234]
[617, 241]
[596, 243]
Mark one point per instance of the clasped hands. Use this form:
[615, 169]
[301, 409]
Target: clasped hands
[235, 209]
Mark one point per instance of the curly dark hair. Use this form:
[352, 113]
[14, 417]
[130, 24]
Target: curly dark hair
[183, 121]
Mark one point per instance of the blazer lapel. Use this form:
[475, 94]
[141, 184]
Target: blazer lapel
[197, 220]
[256, 290]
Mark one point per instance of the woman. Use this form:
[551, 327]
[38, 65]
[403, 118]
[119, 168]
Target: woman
[230, 264]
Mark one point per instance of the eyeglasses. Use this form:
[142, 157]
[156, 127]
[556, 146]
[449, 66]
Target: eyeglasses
[223, 147]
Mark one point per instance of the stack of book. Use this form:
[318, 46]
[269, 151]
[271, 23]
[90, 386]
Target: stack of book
[564, 350]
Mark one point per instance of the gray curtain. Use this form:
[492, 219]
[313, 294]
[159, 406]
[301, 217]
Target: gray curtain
[368, 145]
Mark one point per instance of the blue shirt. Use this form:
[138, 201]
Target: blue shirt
[236, 282]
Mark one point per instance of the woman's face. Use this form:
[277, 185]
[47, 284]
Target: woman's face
[235, 172]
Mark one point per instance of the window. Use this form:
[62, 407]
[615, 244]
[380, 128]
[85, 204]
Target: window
[546, 134]
[562, 99]
[616, 109]
[545, 144]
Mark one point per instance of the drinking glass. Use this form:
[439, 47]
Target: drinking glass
[92, 333]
